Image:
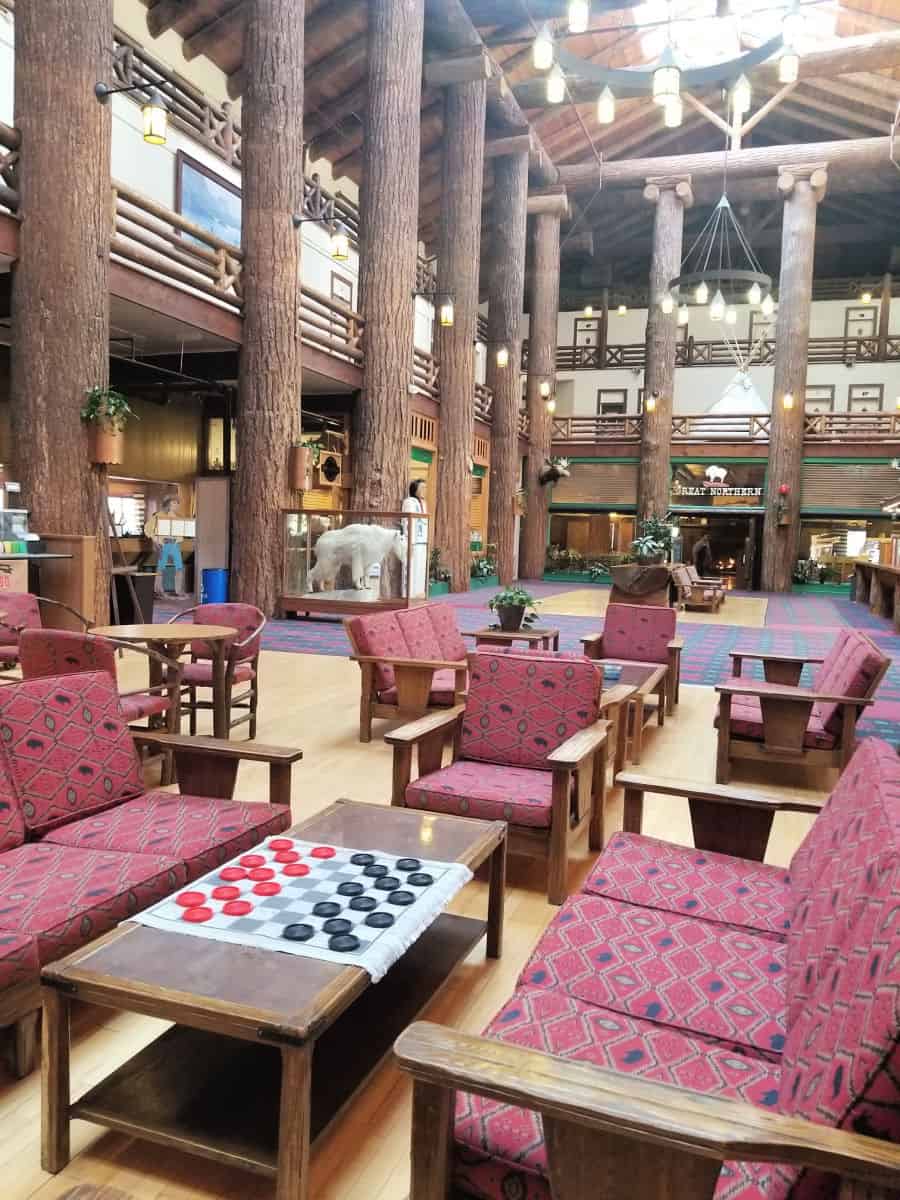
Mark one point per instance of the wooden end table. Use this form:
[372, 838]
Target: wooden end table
[535, 635]
[266, 1049]
[648, 679]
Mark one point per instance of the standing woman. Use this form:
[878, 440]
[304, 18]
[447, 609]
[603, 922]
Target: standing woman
[415, 503]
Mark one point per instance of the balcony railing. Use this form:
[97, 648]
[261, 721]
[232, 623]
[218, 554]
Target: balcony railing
[484, 402]
[9, 162]
[732, 427]
[426, 373]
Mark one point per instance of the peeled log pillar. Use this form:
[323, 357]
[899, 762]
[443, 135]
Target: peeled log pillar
[389, 214]
[506, 288]
[458, 256]
[671, 197]
[60, 281]
[544, 316]
[270, 370]
[801, 188]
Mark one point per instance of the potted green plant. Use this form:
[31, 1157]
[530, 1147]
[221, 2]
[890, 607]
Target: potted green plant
[302, 457]
[511, 606]
[106, 413]
[438, 574]
[654, 542]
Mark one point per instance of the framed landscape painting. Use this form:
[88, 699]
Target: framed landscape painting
[207, 199]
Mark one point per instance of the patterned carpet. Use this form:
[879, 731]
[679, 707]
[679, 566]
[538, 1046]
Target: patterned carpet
[795, 624]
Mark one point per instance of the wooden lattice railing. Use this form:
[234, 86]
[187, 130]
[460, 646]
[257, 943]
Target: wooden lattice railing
[484, 402]
[731, 427]
[426, 373]
[9, 163]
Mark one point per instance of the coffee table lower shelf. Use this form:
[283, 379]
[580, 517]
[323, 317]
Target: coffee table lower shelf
[218, 1097]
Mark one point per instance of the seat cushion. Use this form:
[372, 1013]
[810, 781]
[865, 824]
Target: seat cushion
[521, 707]
[245, 618]
[65, 896]
[638, 632]
[671, 969]
[500, 1151]
[747, 721]
[136, 707]
[443, 689]
[495, 793]
[200, 674]
[717, 887]
[67, 748]
[420, 634]
[851, 674]
[199, 831]
[379, 634]
[9, 654]
[19, 961]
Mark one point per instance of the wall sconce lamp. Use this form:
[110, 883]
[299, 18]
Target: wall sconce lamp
[650, 402]
[550, 405]
[545, 388]
[443, 302]
[154, 110]
[339, 243]
[787, 401]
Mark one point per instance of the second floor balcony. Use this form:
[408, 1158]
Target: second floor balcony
[726, 429]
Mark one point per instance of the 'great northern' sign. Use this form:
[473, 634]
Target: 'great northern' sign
[714, 485]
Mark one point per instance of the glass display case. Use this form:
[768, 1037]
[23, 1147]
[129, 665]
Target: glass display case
[343, 561]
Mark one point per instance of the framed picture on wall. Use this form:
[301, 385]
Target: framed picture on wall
[342, 289]
[865, 397]
[819, 398]
[860, 321]
[207, 199]
[611, 402]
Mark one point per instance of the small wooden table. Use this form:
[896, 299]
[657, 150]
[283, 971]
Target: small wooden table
[266, 1048]
[647, 679]
[170, 640]
[535, 635]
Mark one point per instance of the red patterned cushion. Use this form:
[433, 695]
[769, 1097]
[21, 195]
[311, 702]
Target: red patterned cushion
[852, 674]
[443, 689]
[747, 720]
[12, 820]
[245, 618]
[380, 634]
[450, 640]
[200, 674]
[699, 883]
[200, 831]
[136, 707]
[9, 654]
[19, 961]
[500, 1153]
[67, 748]
[672, 970]
[65, 897]
[520, 707]
[495, 793]
[638, 632]
[420, 634]
[18, 610]
[61, 652]
[825, 668]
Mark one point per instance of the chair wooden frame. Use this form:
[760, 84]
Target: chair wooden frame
[414, 680]
[786, 709]
[593, 649]
[696, 595]
[708, 581]
[579, 773]
[246, 702]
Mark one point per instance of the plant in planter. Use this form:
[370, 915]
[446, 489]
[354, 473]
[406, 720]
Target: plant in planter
[654, 542]
[514, 608]
[437, 572]
[106, 413]
[484, 565]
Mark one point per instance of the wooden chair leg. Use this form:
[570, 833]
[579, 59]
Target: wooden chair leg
[365, 718]
[25, 1044]
[192, 711]
[254, 703]
[598, 800]
[558, 850]
[723, 759]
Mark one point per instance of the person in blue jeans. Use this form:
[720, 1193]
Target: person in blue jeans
[167, 546]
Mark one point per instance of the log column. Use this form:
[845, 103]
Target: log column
[884, 315]
[458, 257]
[543, 321]
[270, 378]
[60, 282]
[671, 197]
[801, 188]
[389, 206]
[506, 287]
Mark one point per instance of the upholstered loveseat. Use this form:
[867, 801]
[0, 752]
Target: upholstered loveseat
[692, 1025]
[412, 660]
[83, 844]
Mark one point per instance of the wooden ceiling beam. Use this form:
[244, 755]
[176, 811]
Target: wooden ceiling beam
[468, 66]
[323, 120]
[864, 96]
[208, 36]
[164, 14]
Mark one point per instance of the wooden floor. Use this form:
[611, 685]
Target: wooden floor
[311, 701]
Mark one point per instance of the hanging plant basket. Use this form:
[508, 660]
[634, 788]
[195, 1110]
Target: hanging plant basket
[299, 466]
[105, 444]
[105, 412]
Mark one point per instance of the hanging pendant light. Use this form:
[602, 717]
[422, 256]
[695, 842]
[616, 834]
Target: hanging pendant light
[155, 118]
[606, 107]
[717, 306]
[445, 312]
[673, 112]
[740, 96]
[340, 243]
[768, 305]
[543, 50]
[556, 86]
[702, 293]
[684, 314]
[667, 303]
[579, 15]
[666, 78]
[502, 356]
[754, 294]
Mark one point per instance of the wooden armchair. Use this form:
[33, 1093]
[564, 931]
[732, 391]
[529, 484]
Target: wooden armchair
[774, 720]
[696, 595]
[614, 1137]
[642, 634]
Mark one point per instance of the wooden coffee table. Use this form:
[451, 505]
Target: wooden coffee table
[266, 1048]
[534, 635]
[648, 680]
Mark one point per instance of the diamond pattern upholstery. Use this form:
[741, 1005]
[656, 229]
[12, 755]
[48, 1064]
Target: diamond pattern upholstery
[486, 790]
[12, 819]
[850, 673]
[64, 896]
[200, 674]
[379, 634]
[19, 962]
[20, 610]
[420, 633]
[443, 621]
[747, 721]
[638, 632]
[62, 652]
[427, 632]
[245, 618]
[67, 748]
[134, 708]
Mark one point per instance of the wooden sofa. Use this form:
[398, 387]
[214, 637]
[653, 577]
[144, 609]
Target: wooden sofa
[692, 1024]
[83, 843]
[696, 595]
[411, 661]
[775, 720]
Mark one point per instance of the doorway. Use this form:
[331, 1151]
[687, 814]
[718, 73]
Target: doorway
[735, 547]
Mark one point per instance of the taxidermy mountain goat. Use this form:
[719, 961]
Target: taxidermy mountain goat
[359, 547]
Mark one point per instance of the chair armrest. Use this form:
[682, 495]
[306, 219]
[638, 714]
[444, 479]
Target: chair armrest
[425, 663]
[591, 639]
[617, 695]
[208, 766]
[791, 658]
[219, 747]
[656, 1113]
[779, 691]
[416, 731]
[716, 793]
[677, 643]
[580, 746]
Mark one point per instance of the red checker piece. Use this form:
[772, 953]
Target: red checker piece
[287, 856]
[226, 893]
[232, 873]
[190, 899]
[323, 852]
[196, 915]
[296, 869]
[281, 844]
[267, 889]
[237, 908]
[261, 873]
[253, 860]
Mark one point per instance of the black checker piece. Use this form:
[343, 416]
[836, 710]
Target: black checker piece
[326, 908]
[420, 879]
[362, 860]
[350, 889]
[408, 864]
[343, 943]
[337, 925]
[298, 933]
[380, 920]
[387, 883]
[402, 898]
[375, 870]
[363, 903]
